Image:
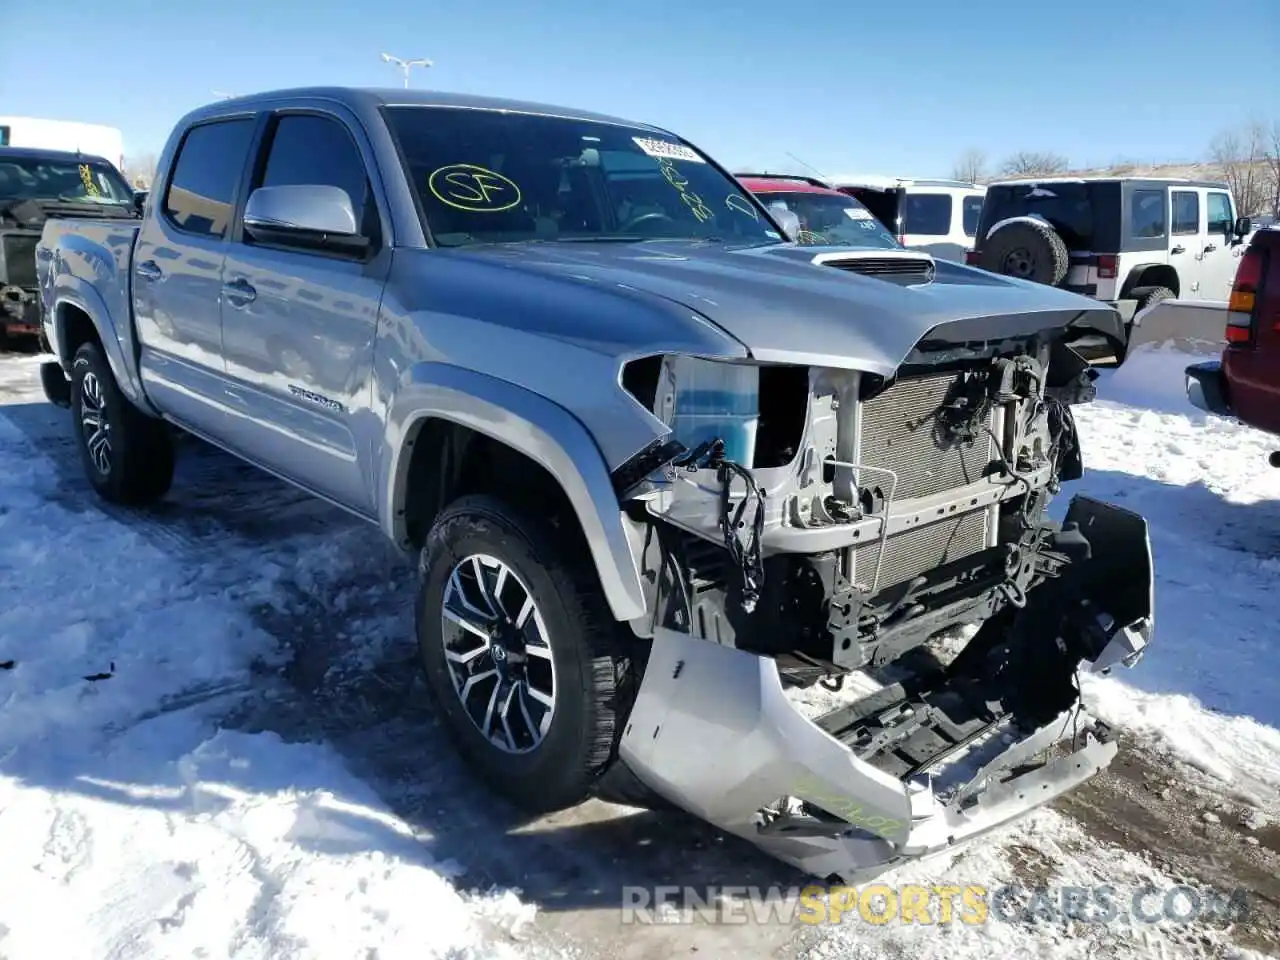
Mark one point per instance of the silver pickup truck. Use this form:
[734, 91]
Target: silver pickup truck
[661, 464]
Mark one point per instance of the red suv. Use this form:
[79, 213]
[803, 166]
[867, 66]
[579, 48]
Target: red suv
[827, 217]
[1245, 383]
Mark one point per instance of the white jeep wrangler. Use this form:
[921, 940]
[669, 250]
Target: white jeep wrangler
[1130, 242]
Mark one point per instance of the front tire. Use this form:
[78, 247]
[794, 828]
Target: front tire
[521, 653]
[127, 455]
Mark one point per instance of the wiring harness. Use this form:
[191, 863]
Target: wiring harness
[744, 546]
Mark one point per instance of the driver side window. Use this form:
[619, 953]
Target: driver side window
[1220, 218]
[312, 149]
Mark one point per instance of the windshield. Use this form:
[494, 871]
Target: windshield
[483, 176]
[828, 219]
[41, 178]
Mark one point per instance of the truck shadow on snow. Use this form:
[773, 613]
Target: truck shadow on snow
[343, 616]
[344, 619]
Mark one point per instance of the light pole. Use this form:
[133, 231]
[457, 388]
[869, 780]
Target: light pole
[406, 65]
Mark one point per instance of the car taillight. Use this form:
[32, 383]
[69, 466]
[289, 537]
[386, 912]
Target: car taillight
[971, 258]
[1244, 296]
[1108, 264]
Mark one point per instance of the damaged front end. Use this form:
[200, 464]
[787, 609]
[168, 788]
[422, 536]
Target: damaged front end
[888, 535]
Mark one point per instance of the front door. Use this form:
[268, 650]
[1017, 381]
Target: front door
[298, 324]
[1218, 261]
[177, 274]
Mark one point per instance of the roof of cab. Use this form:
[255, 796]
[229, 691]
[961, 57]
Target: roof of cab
[783, 183]
[41, 153]
[364, 99]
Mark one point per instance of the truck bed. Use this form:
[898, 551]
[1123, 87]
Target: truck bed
[92, 268]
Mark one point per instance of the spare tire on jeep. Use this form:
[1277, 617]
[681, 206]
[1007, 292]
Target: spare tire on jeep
[1026, 249]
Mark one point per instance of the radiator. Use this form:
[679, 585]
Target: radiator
[899, 430]
[912, 552]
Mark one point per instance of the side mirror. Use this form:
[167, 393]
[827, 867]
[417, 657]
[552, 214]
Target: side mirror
[308, 214]
[1244, 226]
[787, 219]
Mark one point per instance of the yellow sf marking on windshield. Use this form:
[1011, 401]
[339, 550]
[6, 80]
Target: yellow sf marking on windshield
[86, 177]
[465, 186]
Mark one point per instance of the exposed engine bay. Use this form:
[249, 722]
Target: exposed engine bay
[841, 524]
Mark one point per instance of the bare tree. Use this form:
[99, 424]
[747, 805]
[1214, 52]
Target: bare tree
[1034, 163]
[1272, 153]
[141, 170]
[1241, 154]
[971, 167]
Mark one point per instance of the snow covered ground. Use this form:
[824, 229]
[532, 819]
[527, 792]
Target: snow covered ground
[256, 773]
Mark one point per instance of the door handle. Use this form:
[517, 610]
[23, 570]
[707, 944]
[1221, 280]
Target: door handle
[1210, 247]
[1179, 249]
[239, 292]
[148, 270]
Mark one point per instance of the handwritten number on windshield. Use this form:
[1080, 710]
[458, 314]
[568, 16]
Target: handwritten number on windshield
[691, 200]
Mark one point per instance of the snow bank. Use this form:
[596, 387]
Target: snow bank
[1206, 687]
[130, 825]
[1153, 376]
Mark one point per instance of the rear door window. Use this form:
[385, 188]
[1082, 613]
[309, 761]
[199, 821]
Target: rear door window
[1147, 212]
[1067, 206]
[927, 214]
[972, 214]
[1186, 212]
[201, 194]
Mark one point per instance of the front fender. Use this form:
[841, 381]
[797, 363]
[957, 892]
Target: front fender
[541, 430]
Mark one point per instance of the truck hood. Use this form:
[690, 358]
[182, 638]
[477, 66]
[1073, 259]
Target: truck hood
[785, 308]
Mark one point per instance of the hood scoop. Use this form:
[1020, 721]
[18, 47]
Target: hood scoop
[904, 267]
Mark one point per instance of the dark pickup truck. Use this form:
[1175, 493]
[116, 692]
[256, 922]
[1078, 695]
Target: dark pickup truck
[37, 185]
[1245, 383]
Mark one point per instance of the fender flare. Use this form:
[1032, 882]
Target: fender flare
[535, 427]
[71, 291]
[1132, 278]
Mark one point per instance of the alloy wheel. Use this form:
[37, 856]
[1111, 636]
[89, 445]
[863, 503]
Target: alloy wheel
[95, 426]
[498, 653]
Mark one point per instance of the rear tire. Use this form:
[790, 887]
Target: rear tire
[1028, 250]
[570, 652]
[127, 455]
[1148, 296]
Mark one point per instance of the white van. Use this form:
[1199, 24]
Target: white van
[937, 216]
[91, 138]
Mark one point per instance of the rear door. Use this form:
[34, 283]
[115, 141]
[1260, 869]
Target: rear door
[926, 224]
[298, 323]
[1186, 239]
[1217, 260]
[177, 273]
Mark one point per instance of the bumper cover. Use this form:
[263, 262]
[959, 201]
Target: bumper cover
[713, 732]
[1207, 388]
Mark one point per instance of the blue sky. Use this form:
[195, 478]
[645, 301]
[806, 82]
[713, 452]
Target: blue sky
[870, 87]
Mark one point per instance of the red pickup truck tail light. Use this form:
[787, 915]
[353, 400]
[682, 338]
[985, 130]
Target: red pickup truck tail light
[1241, 307]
